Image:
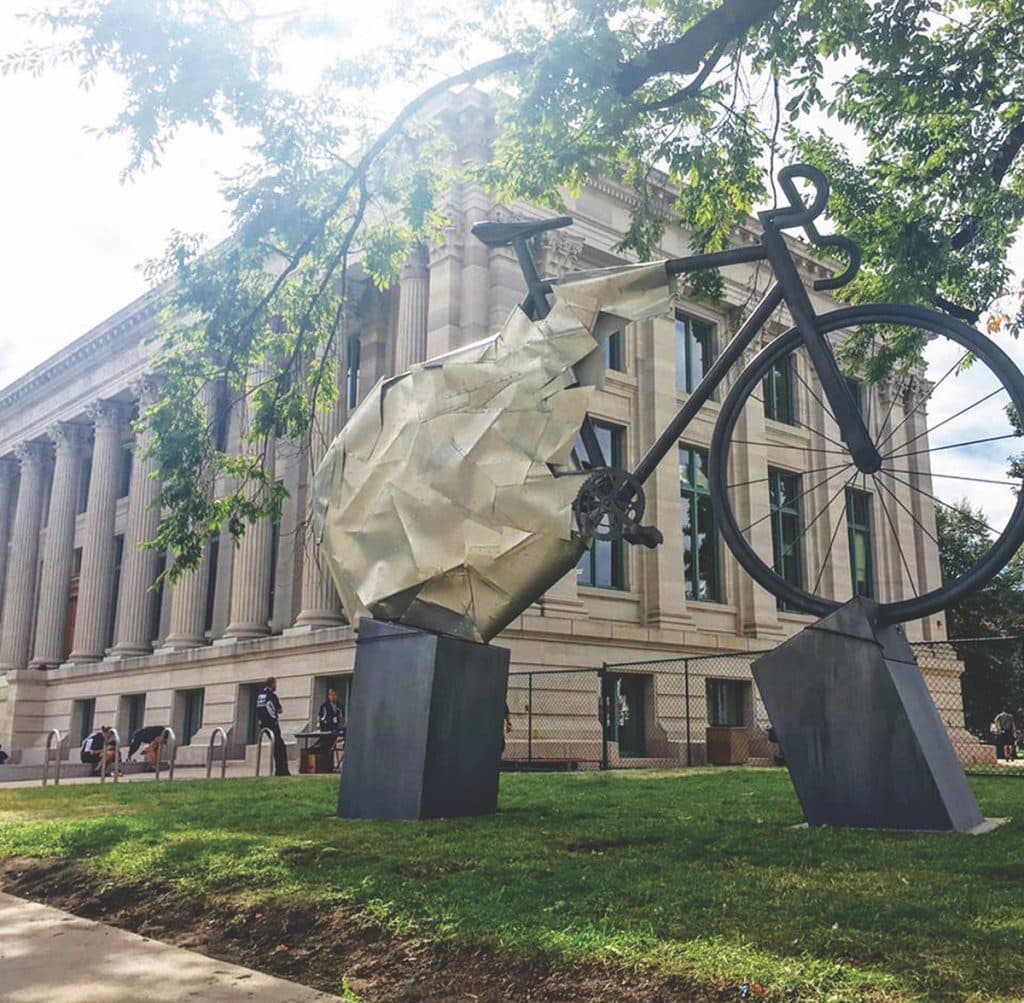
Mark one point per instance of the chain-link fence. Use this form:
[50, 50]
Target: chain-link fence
[705, 709]
[973, 682]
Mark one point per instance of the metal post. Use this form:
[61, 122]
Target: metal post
[103, 760]
[223, 752]
[686, 697]
[529, 718]
[167, 735]
[46, 757]
[259, 750]
[603, 685]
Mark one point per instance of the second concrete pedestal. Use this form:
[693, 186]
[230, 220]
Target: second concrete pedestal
[862, 739]
[424, 732]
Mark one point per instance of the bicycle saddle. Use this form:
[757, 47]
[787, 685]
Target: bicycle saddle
[502, 234]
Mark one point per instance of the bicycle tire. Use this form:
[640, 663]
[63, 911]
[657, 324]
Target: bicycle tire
[931, 322]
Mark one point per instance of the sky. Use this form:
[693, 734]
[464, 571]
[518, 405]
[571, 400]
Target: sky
[75, 236]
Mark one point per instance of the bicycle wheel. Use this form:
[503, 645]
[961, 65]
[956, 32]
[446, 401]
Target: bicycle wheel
[808, 526]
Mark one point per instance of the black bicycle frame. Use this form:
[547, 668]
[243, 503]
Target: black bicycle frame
[789, 289]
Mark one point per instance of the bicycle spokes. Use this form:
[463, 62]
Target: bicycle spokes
[945, 426]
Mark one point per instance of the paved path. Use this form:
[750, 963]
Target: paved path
[50, 956]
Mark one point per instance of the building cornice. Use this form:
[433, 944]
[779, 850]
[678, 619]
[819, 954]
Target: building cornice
[122, 327]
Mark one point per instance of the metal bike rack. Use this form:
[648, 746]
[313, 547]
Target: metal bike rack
[46, 757]
[259, 750]
[223, 752]
[116, 760]
[167, 735]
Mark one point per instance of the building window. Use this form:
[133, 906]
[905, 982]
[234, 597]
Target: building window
[784, 499]
[275, 544]
[726, 703]
[84, 477]
[247, 719]
[221, 416]
[72, 615]
[115, 590]
[212, 558]
[603, 565]
[694, 351]
[701, 567]
[83, 715]
[353, 350]
[157, 602]
[133, 712]
[614, 358]
[191, 713]
[127, 462]
[858, 527]
[777, 390]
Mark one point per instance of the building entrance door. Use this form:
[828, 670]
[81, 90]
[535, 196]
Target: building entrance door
[622, 713]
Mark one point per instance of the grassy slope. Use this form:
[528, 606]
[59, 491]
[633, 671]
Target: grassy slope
[697, 874]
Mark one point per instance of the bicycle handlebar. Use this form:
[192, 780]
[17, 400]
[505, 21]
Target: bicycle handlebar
[798, 213]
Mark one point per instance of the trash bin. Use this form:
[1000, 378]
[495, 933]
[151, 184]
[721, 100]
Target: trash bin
[727, 746]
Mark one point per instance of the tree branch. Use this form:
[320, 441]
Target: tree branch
[694, 86]
[501, 64]
[683, 55]
[955, 310]
[1001, 164]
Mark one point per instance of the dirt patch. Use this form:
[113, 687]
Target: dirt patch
[323, 947]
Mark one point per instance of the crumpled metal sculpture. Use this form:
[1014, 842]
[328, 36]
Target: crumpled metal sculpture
[438, 504]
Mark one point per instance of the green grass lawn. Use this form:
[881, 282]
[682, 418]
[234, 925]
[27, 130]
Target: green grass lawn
[698, 874]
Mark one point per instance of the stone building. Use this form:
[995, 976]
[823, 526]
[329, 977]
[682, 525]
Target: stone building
[84, 640]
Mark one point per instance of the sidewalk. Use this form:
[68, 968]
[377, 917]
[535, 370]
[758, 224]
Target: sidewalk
[49, 956]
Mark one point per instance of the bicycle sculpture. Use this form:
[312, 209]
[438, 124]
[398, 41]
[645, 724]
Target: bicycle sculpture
[454, 497]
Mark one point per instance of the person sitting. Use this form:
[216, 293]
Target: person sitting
[98, 749]
[152, 737]
[331, 721]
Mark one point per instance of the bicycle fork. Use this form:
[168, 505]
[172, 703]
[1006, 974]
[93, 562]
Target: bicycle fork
[852, 427]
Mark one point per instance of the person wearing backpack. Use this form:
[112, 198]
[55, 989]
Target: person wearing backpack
[98, 750]
[268, 713]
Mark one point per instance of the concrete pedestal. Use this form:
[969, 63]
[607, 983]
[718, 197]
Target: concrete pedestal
[862, 739]
[425, 728]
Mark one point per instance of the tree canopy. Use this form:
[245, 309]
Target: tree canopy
[914, 108]
[993, 677]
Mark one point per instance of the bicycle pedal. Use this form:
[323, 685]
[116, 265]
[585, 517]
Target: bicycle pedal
[646, 536]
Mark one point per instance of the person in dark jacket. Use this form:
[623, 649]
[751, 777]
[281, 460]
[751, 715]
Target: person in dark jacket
[1005, 730]
[152, 737]
[98, 749]
[268, 713]
[330, 719]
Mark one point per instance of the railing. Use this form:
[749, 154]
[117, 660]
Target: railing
[259, 750]
[166, 736]
[46, 757]
[223, 753]
[116, 760]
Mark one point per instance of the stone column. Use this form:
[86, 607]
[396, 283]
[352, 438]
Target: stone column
[188, 610]
[188, 595]
[16, 635]
[250, 577]
[59, 552]
[92, 621]
[320, 604]
[413, 304]
[8, 475]
[138, 565]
